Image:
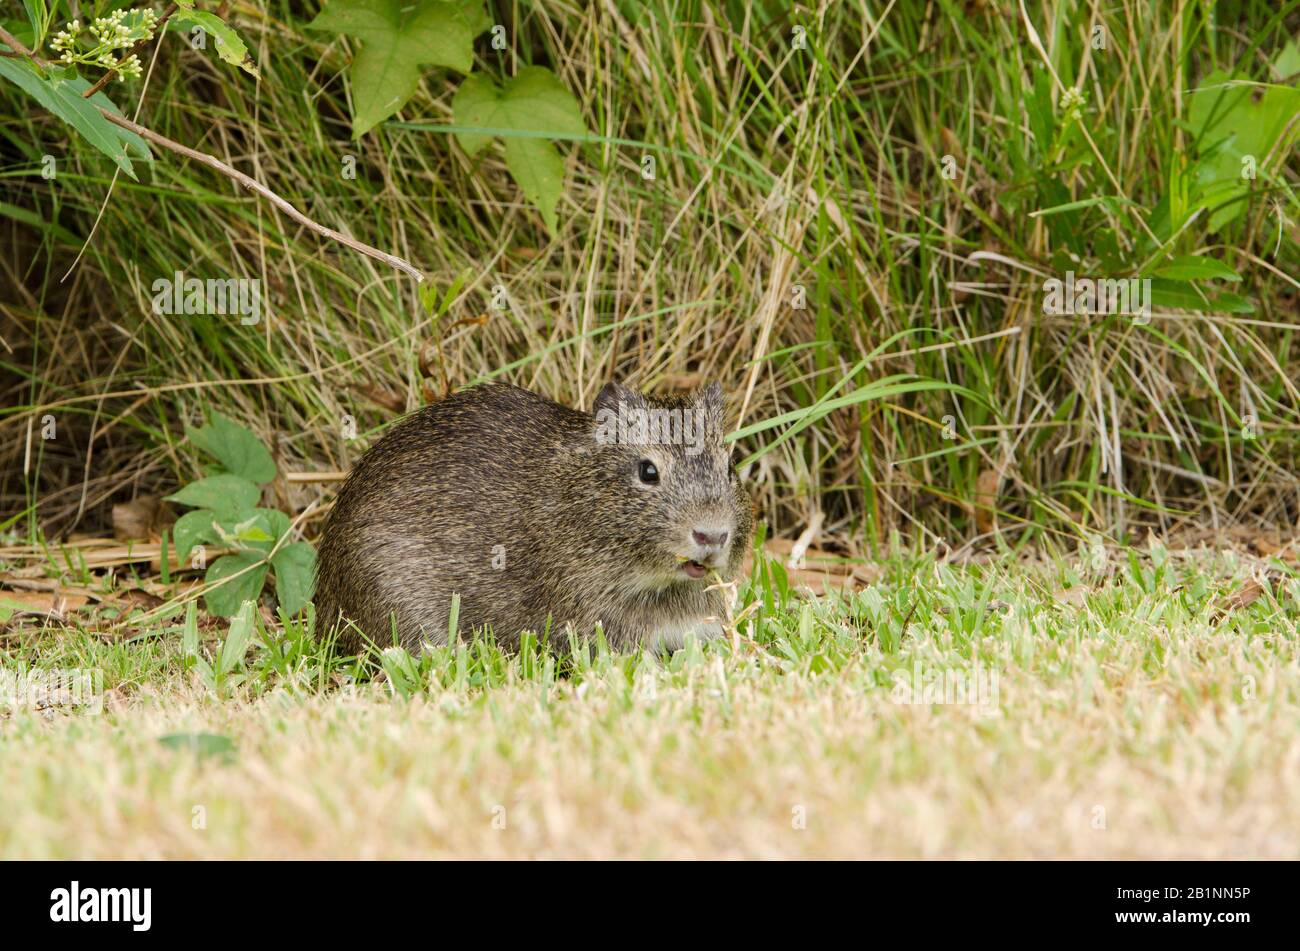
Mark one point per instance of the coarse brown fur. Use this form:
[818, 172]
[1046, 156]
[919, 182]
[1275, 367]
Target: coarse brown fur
[539, 521]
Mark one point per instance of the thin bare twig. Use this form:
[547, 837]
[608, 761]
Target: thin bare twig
[230, 172]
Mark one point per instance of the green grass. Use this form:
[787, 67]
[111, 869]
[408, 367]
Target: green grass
[1119, 709]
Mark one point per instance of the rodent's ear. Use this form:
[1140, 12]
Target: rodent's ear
[709, 399]
[612, 394]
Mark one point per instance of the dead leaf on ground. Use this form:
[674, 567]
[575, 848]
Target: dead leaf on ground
[1267, 548]
[134, 598]
[819, 569]
[140, 519]
[54, 605]
[1075, 597]
[1243, 597]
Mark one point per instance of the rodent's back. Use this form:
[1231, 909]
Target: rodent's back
[450, 499]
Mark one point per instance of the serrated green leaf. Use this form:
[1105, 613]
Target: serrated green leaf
[226, 600]
[397, 40]
[61, 94]
[295, 570]
[226, 494]
[236, 448]
[229, 46]
[534, 103]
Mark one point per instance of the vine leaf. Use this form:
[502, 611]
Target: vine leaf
[229, 46]
[397, 40]
[536, 106]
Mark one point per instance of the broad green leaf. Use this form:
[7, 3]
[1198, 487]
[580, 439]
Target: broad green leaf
[229, 46]
[191, 529]
[535, 104]
[1238, 123]
[224, 494]
[295, 569]
[398, 38]
[238, 450]
[225, 601]
[1195, 268]
[60, 92]
[539, 170]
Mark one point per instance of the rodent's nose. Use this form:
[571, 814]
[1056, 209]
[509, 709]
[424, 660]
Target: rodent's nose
[709, 539]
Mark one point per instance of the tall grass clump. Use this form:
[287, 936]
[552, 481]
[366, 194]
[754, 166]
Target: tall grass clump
[853, 211]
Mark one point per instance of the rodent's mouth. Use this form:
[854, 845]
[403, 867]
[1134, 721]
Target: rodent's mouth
[694, 569]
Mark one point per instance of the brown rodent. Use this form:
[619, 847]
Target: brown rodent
[542, 518]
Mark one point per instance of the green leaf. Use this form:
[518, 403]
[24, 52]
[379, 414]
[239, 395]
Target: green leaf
[295, 570]
[240, 635]
[1193, 268]
[226, 600]
[539, 170]
[398, 39]
[200, 744]
[229, 46]
[60, 93]
[535, 104]
[224, 494]
[1234, 118]
[402, 675]
[259, 529]
[190, 632]
[236, 448]
[1182, 295]
[191, 529]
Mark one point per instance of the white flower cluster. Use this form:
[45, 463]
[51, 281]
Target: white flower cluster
[107, 34]
[1072, 103]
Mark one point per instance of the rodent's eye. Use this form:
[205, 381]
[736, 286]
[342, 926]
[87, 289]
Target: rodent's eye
[647, 472]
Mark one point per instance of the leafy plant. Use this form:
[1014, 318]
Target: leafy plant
[527, 110]
[225, 512]
[397, 40]
[533, 104]
[107, 43]
[223, 672]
